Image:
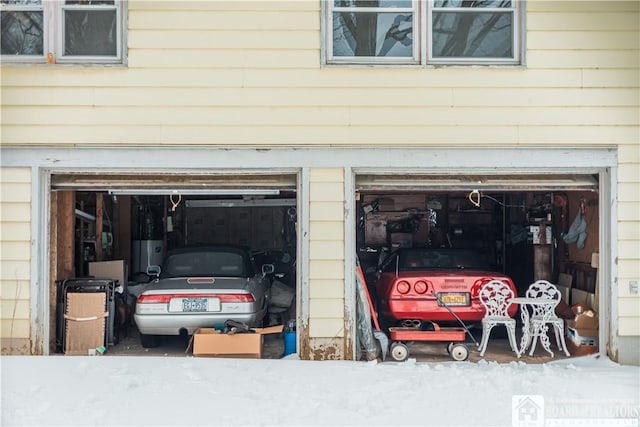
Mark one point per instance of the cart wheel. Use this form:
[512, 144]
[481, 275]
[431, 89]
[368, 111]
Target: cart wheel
[449, 347]
[459, 352]
[399, 352]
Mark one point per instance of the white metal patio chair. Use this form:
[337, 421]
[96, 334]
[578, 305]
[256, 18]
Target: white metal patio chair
[495, 296]
[545, 314]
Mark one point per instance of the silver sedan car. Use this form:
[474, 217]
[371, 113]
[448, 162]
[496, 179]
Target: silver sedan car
[202, 286]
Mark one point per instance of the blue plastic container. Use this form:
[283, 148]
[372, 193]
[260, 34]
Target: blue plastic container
[289, 343]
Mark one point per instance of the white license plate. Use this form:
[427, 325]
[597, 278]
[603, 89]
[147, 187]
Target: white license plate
[194, 305]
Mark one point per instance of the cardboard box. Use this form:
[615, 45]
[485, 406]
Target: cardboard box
[114, 270]
[213, 343]
[582, 342]
[85, 320]
[582, 331]
[584, 319]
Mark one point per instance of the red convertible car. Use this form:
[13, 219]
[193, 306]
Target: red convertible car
[414, 284]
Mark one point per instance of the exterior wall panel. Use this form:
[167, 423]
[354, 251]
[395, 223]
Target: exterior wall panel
[326, 288]
[628, 326]
[326, 255]
[15, 260]
[14, 250]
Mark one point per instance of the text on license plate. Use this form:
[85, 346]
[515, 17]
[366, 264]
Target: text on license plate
[195, 304]
[453, 298]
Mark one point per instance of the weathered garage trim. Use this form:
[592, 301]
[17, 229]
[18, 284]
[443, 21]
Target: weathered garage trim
[302, 292]
[350, 317]
[481, 182]
[39, 268]
[607, 270]
[201, 181]
[192, 159]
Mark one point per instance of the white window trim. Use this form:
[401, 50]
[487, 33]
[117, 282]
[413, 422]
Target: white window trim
[60, 57]
[515, 9]
[328, 20]
[53, 40]
[423, 56]
[46, 20]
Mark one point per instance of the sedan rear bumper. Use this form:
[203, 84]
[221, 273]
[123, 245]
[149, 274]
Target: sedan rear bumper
[172, 324]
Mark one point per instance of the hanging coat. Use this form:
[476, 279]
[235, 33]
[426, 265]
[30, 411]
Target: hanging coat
[577, 232]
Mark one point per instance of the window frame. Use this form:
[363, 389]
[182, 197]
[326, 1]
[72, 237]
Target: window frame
[423, 47]
[517, 35]
[369, 60]
[46, 39]
[53, 37]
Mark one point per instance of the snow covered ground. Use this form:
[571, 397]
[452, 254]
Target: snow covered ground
[190, 391]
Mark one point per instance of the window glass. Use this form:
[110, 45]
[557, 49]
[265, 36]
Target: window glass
[466, 3]
[373, 34]
[372, 3]
[390, 264]
[90, 2]
[205, 264]
[90, 33]
[22, 23]
[472, 35]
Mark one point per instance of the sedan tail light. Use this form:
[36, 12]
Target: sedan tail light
[153, 299]
[235, 297]
[165, 298]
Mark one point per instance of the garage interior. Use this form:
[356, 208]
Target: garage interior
[116, 226]
[516, 221]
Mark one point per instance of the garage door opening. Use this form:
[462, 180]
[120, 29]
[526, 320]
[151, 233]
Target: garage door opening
[528, 227]
[119, 227]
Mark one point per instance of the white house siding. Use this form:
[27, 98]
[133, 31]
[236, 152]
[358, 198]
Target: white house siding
[15, 254]
[248, 73]
[326, 331]
[628, 303]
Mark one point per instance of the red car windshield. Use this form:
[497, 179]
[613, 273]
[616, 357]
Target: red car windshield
[408, 259]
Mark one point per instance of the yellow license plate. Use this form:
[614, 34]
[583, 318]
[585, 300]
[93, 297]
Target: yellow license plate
[453, 298]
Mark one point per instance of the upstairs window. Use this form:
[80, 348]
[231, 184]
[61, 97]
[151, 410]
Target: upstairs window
[473, 31]
[64, 31]
[379, 31]
[426, 32]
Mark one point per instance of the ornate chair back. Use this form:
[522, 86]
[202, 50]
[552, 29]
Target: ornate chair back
[495, 296]
[544, 289]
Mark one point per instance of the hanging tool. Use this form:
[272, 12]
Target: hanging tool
[475, 201]
[175, 203]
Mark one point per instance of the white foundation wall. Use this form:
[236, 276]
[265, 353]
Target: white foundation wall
[15, 260]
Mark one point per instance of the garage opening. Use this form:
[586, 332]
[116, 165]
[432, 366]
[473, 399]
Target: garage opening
[120, 227]
[527, 227]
